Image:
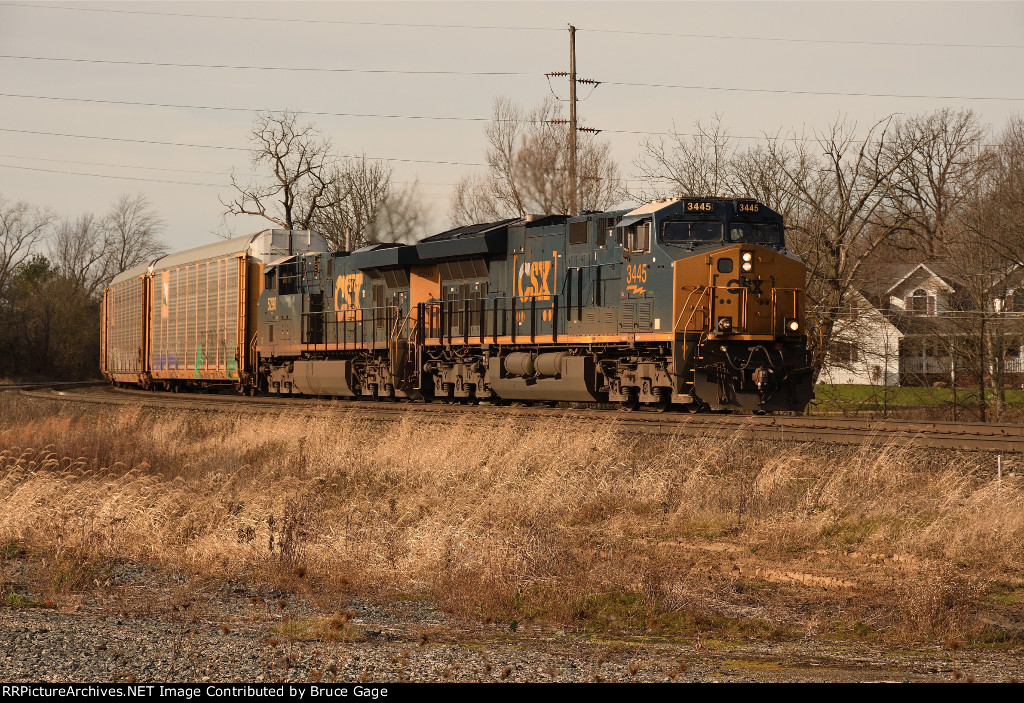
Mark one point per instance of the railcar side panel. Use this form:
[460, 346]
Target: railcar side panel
[124, 340]
[198, 319]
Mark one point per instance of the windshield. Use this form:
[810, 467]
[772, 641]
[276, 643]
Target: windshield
[677, 232]
[755, 232]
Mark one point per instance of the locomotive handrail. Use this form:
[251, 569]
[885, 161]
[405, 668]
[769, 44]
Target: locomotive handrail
[444, 322]
[359, 319]
[703, 291]
[400, 325]
[775, 301]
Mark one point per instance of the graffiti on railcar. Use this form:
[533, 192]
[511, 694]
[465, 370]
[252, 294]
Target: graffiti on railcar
[165, 299]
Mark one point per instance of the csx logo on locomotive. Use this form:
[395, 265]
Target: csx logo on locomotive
[535, 274]
[346, 295]
[533, 279]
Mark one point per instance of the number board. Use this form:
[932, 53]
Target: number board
[699, 206]
[748, 207]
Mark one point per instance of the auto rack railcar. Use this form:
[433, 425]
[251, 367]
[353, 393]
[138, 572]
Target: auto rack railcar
[188, 319]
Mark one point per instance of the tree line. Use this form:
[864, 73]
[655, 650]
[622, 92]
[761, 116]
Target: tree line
[52, 274]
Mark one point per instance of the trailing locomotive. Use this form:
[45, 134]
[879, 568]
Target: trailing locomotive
[687, 302]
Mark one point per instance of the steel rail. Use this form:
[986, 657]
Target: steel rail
[1002, 438]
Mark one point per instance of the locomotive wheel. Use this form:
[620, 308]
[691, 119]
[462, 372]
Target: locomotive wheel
[632, 401]
[664, 400]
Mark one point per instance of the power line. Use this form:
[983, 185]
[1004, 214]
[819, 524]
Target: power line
[95, 163]
[239, 67]
[358, 156]
[158, 180]
[831, 93]
[596, 30]
[123, 139]
[119, 178]
[456, 118]
[855, 42]
[318, 113]
[293, 20]
[218, 146]
[225, 172]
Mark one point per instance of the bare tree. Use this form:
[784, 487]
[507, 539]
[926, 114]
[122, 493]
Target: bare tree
[301, 182]
[709, 162]
[764, 173]
[1004, 191]
[21, 227]
[527, 159]
[941, 163]
[474, 200]
[697, 164]
[985, 244]
[840, 185]
[357, 191]
[78, 253]
[402, 217]
[130, 234]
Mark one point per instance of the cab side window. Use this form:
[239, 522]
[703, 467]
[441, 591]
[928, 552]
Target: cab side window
[639, 238]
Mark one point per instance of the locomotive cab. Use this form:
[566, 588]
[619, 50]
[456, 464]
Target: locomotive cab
[736, 310]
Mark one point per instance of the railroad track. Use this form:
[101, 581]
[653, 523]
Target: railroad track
[999, 438]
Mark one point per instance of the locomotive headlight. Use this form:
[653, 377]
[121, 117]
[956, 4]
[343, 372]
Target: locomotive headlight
[746, 260]
[724, 325]
[748, 256]
[792, 325]
[746, 266]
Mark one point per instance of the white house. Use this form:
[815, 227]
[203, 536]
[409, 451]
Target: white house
[865, 347]
[907, 323]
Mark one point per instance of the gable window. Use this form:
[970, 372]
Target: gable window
[921, 303]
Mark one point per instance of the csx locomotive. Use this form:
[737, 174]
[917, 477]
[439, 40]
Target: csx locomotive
[686, 302]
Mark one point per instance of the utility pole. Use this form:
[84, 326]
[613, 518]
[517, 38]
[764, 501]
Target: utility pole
[573, 183]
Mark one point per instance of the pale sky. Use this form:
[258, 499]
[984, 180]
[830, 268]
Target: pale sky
[763, 66]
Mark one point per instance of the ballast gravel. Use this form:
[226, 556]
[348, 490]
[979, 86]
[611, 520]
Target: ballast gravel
[233, 635]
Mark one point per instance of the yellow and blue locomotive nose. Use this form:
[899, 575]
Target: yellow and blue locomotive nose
[745, 291]
[739, 314]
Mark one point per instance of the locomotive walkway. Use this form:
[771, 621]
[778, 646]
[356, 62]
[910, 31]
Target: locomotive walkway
[999, 438]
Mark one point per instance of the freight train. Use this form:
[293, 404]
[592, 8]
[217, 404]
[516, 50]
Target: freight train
[687, 302]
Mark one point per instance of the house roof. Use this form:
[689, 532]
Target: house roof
[928, 268]
[876, 279]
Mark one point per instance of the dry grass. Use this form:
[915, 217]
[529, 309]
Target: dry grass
[568, 523]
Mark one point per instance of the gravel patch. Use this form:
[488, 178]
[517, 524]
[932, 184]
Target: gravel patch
[148, 625]
[415, 643]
